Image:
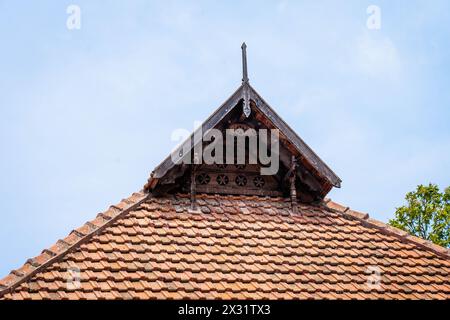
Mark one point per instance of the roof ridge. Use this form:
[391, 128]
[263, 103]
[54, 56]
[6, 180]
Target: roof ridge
[386, 228]
[72, 241]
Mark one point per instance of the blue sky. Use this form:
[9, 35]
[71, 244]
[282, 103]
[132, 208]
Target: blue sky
[87, 114]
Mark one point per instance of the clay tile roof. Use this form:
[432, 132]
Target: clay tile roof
[147, 248]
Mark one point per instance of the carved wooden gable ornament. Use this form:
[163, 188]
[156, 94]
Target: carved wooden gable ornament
[244, 147]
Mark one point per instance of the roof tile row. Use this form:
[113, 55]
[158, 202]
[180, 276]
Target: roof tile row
[237, 247]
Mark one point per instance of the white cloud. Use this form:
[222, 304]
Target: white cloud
[180, 17]
[377, 56]
[315, 99]
[282, 6]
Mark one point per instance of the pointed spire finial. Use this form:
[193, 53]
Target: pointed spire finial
[244, 63]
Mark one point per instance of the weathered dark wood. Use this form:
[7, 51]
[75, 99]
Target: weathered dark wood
[193, 191]
[247, 192]
[210, 123]
[244, 63]
[293, 188]
[301, 146]
[313, 178]
[261, 105]
[255, 183]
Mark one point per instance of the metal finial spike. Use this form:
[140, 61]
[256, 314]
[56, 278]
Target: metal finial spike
[244, 63]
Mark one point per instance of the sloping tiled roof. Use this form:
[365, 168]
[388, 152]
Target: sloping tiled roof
[233, 247]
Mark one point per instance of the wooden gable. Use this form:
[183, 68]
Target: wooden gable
[246, 109]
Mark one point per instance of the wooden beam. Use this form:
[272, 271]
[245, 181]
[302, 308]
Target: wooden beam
[210, 123]
[300, 145]
[193, 191]
[293, 189]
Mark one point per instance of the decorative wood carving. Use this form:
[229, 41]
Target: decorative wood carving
[292, 184]
[306, 179]
[235, 179]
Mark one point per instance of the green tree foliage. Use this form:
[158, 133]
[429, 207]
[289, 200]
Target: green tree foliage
[427, 214]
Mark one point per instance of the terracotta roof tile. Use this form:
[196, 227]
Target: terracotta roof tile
[237, 247]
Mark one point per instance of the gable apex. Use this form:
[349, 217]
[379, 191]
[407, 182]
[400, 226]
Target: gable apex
[302, 174]
[311, 164]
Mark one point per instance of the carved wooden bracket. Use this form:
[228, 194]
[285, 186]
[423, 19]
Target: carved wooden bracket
[293, 189]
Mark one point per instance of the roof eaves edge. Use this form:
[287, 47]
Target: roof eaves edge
[119, 210]
[373, 223]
